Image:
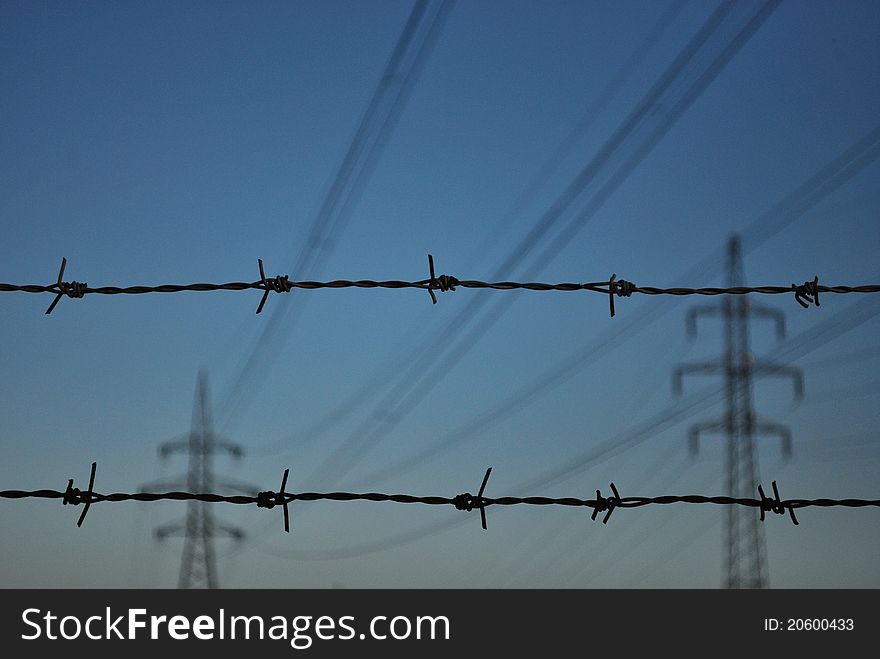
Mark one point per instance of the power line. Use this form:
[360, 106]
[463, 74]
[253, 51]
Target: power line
[631, 142]
[790, 208]
[400, 362]
[573, 137]
[817, 188]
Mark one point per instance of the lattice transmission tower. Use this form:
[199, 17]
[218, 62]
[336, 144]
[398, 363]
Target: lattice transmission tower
[745, 561]
[198, 566]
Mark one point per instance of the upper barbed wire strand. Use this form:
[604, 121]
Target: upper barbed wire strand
[804, 294]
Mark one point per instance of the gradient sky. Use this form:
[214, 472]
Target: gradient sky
[169, 142]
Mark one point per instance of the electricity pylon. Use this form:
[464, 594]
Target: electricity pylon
[198, 567]
[745, 562]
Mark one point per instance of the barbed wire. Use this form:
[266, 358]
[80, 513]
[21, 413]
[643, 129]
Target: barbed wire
[805, 294]
[465, 502]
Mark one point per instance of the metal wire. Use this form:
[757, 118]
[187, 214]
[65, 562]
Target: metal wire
[465, 501]
[805, 294]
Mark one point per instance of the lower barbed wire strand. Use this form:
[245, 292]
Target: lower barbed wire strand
[290, 497]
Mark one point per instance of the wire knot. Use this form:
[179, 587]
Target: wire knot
[463, 502]
[619, 287]
[606, 504]
[269, 499]
[73, 289]
[443, 283]
[807, 293]
[279, 284]
[72, 495]
[774, 505]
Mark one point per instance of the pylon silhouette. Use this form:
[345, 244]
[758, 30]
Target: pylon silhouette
[745, 561]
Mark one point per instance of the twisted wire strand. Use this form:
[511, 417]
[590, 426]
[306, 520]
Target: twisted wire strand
[290, 497]
[425, 284]
[805, 294]
[465, 502]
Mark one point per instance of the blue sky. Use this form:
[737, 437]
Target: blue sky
[179, 142]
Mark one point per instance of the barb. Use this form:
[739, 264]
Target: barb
[775, 505]
[72, 289]
[279, 284]
[621, 288]
[442, 283]
[271, 499]
[805, 294]
[603, 504]
[466, 501]
[72, 495]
